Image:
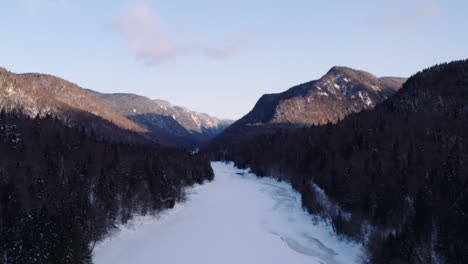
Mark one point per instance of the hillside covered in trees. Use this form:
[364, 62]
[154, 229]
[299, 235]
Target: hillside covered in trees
[342, 91]
[62, 189]
[396, 176]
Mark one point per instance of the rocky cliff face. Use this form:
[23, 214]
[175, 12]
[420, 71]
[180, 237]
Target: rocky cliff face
[339, 93]
[178, 125]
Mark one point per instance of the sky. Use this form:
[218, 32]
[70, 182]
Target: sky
[220, 56]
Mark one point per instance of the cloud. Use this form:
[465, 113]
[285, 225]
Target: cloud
[227, 6]
[405, 12]
[34, 6]
[430, 9]
[144, 33]
[148, 39]
[232, 48]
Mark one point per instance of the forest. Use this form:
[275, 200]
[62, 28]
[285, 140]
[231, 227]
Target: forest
[64, 188]
[398, 172]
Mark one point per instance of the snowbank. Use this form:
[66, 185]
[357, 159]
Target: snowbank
[238, 218]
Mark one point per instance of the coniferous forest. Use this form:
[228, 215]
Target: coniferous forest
[62, 189]
[398, 172]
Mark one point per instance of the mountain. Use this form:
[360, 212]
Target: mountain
[40, 95]
[337, 94]
[174, 124]
[395, 177]
[340, 92]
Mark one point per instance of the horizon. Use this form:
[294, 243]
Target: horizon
[231, 52]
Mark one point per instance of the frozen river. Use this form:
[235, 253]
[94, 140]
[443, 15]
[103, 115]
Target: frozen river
[237, 218]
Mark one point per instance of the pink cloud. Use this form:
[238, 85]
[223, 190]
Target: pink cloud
[404, 12]
[227, 6]
[149, 41]
[430, 9]
[38, 6]
[232, 48]
[144, 32]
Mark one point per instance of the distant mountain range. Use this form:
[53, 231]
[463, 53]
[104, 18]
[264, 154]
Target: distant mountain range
[174, 124]
[40, 95]
[340, 92]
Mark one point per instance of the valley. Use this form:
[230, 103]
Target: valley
[233, 131]
[88, 177]
[268, 225]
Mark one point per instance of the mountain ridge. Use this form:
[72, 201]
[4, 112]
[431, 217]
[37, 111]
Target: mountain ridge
[177, 124]
[37, 94]
[340, 92]
[40, 95]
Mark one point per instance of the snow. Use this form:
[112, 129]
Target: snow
[278, 112]
[326, 204]
[196, 120]
[10, 90]
[237, 218]
[322, 93]
[365, 98]
[375, 87]
[195, 151]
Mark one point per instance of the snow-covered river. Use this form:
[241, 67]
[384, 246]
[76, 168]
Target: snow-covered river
[237, 218]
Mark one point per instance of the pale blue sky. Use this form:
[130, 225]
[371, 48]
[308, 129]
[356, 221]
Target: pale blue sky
[220, 56]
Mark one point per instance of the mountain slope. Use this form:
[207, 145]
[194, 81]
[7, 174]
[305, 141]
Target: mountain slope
[178, 125]
[340, 92]
[41, 95]
[398, 172]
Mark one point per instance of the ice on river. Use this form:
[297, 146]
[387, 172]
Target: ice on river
[237, 218]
